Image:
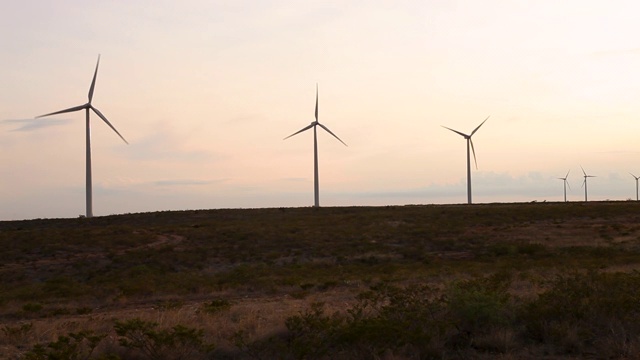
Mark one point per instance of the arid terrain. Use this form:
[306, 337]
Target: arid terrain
[507, 281]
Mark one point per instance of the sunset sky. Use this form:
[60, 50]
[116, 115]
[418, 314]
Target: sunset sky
[205, 91]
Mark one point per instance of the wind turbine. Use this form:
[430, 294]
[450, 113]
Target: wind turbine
[636, 177]
[584, 183]
[469, 144]
[313, 125]
[564, 179]
[88, 107]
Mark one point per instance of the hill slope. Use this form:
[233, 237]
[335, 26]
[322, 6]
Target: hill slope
[85, 270]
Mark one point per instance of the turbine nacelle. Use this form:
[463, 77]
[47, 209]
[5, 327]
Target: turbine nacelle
[316, 123]
[585, 173]
[468, 138]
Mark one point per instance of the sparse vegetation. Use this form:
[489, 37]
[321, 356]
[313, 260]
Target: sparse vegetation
[513, 280]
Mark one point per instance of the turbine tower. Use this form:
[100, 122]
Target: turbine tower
[564, 179]
[584, 183]
[314, 125]
[88, 107]
[636, 177]
[469, 144]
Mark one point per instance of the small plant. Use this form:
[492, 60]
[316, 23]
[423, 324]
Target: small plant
[306, 286]
[84, 310]
[32, 307]
[170, 304]
[215, 306]
[59, 311]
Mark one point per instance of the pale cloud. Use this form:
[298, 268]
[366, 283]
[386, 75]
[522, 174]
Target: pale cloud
[162, 142]
[185, 182]
[34, 124]
[617, 52]
[295, 179]
[125, 184]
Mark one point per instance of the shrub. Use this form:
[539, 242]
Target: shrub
[397, 319]
[179, 342]
[74, 346]
[412, 321]
[478, 308]
[312, 333]
[17, 332]
[592, 310]
[32, 307]
[386, 318]
[477, 304]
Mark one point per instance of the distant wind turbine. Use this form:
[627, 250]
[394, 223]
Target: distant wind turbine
[564, 179]
[469, 144]
[313, 125]
[584, 183]
[636, 177]
[88, 107]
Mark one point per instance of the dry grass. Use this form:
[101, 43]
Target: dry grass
[256, 317]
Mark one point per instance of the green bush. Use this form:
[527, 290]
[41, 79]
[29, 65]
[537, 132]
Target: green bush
[477, 308]
[477, 304]
[313, 333]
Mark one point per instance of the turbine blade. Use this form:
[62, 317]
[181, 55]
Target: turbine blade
[93, 82]
[476, 129]
[334, 135]
[299, 131]
[474, 152]
[635, 177]
[75, 108]
[108, 123]
[585, 174]
[566, 176]
[456, 131]
[569, 186]
[316, 102]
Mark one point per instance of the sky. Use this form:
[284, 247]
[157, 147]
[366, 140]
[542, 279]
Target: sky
[205, 91]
